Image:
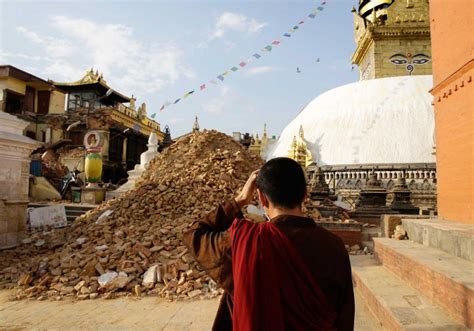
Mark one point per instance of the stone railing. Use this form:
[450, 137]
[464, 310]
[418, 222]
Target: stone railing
[354, 176]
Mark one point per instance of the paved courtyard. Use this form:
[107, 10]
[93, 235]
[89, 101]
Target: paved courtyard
[124, 314]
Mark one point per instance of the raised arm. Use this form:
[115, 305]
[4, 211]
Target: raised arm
[208, 239]
[209, 242]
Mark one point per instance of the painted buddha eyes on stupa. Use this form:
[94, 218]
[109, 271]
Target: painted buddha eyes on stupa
[410, 60]
[420, 59]
[398, 59]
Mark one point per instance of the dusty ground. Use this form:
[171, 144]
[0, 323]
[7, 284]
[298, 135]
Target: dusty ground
[124, 314]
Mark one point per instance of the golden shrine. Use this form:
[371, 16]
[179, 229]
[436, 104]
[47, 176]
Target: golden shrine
[299, 150]
[260, 146]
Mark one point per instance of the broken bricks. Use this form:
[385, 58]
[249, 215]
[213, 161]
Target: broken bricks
[137, 248]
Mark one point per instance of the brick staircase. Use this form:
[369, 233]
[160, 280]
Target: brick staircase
[422, 284]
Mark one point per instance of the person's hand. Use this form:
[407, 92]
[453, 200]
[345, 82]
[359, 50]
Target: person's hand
[246, 195]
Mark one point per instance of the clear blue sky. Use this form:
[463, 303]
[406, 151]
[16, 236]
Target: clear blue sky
[158, 50]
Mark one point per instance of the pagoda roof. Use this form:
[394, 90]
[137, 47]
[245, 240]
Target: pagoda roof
[92, 79]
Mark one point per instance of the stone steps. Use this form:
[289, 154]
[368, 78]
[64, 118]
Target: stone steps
[453, 238]
[445, 279]
[394, 303]
[72, 210]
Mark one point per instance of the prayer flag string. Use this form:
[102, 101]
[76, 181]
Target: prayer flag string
[254, 57]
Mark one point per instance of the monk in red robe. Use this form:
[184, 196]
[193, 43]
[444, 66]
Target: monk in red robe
[284, 274]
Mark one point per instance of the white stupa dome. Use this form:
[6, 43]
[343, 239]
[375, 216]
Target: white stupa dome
[387, 120]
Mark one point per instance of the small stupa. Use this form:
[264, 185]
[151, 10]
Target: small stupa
[137, 171]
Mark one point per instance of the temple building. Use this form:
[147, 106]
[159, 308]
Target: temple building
[30, 98]
[61, 114]
[435, 265]
[453, 92]
[384, 123]
[91, 104]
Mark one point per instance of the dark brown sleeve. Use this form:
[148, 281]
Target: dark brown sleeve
[345, 321]
[209, 242]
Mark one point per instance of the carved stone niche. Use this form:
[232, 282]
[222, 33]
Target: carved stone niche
[15, 150]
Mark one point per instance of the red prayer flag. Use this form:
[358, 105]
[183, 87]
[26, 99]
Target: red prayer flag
[162, 107]
[242, 64]
[276, 42]
[202, 87]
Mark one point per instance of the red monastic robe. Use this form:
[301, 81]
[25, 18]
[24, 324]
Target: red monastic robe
[273, 288]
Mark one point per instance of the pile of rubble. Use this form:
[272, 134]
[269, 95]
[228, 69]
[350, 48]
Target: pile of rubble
[132, 244]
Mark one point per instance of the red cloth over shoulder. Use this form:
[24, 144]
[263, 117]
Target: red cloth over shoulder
[273, 288]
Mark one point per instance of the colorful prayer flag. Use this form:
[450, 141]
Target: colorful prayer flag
[323, 3]
[287, 35]
[301, 22]
[257, 56]
[153, 115]
[221, 78]
[275, 42]
[320, 8]
[213, 81]
[296, 27]
[242, 64]
[162, 107]
[177, 100]
[268, 48]
[202, 87]
[234, 68]
[188, 94]
[311, 15]
[225, 73]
